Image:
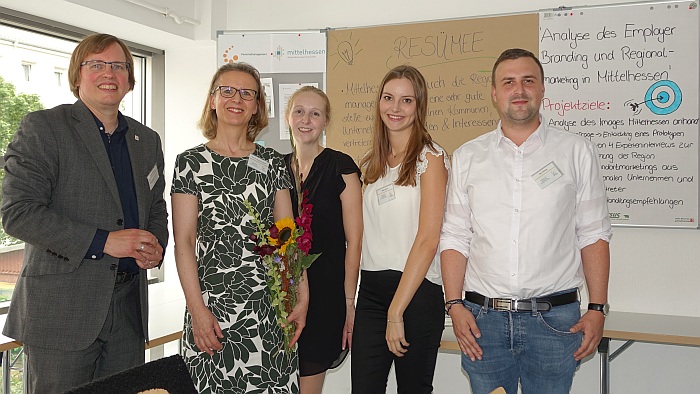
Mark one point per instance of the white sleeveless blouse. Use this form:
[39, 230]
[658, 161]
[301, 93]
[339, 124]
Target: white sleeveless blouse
[390, 214]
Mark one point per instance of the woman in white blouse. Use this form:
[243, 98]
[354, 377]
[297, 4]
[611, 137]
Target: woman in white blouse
[400, 307]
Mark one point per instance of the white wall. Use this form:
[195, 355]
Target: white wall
[315, 14]
[653, 270]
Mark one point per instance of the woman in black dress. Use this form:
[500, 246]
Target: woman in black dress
[333, 184]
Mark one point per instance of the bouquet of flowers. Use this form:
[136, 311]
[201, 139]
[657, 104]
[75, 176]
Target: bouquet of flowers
[284, 248]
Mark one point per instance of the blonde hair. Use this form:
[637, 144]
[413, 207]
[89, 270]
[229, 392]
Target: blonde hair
[310, 89]
[94, 44]
[376, 161]
[288, 110]
[208, 121]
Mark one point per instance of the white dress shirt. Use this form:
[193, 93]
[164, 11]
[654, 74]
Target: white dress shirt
[390, 214]
[522, 214]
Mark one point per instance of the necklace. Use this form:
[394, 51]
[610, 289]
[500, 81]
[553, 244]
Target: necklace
[394, 155]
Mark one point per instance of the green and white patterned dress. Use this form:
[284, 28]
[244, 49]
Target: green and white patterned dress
[231, 276]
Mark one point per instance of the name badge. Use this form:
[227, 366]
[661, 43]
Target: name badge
[152, 177]
[385, 194]
[547, 175]
[258, 164]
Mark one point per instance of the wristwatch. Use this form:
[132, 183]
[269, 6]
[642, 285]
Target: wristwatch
[602, 308]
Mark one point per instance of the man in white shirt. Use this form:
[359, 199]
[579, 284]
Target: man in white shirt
[526, 208]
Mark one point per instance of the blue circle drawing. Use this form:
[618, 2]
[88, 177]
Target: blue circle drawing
[663, 96]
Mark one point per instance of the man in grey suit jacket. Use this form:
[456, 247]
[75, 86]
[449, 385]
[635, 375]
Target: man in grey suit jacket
[83, 189]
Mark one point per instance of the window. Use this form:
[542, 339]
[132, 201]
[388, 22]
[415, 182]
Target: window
[27, 67]
[34, 59]
[59, 78]
[43, 48]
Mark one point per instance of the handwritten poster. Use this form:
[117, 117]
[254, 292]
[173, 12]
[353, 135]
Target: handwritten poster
[455, 57]
[626, 78]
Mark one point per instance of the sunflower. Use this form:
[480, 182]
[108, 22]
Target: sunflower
[286, 229]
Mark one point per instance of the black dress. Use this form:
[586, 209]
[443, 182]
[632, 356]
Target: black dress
[320, 344]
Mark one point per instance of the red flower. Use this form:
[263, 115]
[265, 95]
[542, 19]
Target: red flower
[307, 208]
[274, 232]
[304, 242]
[304, 221]
[267, 250]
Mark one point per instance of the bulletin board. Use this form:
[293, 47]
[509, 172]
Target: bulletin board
[624, 76]
[286, 60]
[455, 57]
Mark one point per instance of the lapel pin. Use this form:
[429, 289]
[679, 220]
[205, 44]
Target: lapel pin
[136, 137]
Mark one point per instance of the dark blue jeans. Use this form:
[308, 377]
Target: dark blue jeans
[536, 348]
[424, 320]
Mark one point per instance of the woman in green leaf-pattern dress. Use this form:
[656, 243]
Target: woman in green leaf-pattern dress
[231, 341]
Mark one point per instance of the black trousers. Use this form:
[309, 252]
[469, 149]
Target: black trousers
[424, 320]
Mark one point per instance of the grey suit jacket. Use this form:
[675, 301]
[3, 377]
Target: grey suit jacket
[58, 190]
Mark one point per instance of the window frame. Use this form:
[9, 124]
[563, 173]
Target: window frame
[150, 84]
[27, 69]
[58, 74]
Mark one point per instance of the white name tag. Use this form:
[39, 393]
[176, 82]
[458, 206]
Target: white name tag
[258, 164]
[385, 194]
[152, 177]
[547, 175]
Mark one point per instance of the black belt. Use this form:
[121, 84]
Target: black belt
[123, 277]
[523, 305]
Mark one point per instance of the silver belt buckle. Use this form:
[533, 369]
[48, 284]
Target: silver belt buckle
[504, 304]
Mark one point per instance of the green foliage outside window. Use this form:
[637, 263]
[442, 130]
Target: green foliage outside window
[13, 107]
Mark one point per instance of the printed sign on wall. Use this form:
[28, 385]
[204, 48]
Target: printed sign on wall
[275, 52]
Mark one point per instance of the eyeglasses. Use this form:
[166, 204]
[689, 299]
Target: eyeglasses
[230, 92]
[98, 66]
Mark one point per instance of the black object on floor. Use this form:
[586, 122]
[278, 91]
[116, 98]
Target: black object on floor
[168, 373]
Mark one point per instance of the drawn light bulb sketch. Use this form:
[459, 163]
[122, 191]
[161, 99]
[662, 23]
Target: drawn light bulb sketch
[662, 98]
[346, 52]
